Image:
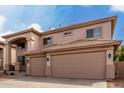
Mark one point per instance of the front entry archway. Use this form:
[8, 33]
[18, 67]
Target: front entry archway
[17, 60]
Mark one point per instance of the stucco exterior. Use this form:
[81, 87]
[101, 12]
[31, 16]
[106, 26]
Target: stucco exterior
[41, 61]
[80, 33]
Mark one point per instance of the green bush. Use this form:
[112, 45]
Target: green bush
[119, 55]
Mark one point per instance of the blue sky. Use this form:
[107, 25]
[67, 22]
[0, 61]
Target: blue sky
[17, 18]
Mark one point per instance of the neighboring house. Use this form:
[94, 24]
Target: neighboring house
[82, 50]
[2, 55]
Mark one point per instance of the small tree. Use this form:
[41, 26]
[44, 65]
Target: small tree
[119, 56]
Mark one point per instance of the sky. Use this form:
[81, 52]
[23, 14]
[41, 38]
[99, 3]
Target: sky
[18, 18]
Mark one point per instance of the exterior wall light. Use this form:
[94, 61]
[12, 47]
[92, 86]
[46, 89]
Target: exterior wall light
[109, 55]
[47, 59]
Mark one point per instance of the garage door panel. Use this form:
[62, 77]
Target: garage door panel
[38, 66]
[84, 65]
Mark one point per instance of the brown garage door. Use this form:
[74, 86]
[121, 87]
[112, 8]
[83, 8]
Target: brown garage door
[85, 65]
[38, 66]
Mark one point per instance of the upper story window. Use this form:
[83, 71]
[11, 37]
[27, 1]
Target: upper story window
[21, 46]
[95, 32]
[47, 41]
[67, 33]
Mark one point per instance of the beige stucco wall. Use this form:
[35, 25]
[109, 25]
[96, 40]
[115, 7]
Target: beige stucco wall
[36, 43]
[80, 33]
[32, 40]
[32, 44]
[28, 35]
[110, 68]
[119, 68]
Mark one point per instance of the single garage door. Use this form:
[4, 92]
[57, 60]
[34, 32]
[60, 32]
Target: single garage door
[38, 66]
[85, 65]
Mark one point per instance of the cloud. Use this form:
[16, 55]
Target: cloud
[2, 22]
[117, 8]
[2, 30]
[36, 26]
[6, 33]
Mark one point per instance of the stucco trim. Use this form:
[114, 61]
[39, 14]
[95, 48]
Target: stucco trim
[79, 51]
[35, 56]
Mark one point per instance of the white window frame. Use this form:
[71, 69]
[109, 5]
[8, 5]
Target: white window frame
[96, 32]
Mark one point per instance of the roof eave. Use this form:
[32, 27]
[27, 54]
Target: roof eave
[22, 32]
[74, 26]
[113, 24]
[114, 44]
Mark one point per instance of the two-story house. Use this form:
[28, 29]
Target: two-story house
[82, 50]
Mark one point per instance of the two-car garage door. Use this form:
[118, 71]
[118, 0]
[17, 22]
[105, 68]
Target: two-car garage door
[84, 65]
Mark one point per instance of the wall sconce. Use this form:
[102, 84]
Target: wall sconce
[47, 59]
[109, 55]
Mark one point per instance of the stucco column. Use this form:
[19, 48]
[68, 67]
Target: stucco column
[8, 56]
[48, 71]
[110, 68]
[28, 66]
[4, 58]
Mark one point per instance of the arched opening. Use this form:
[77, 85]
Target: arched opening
[17, 47]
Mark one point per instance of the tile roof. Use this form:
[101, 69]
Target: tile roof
[75, 45]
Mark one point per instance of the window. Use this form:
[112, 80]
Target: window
[47, 40]
[89, 33]
[95, 32]
[21, 59]
[67, 33]
[21, 45]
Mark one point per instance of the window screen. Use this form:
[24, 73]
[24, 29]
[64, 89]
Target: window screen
[89, 33]
[95, 32]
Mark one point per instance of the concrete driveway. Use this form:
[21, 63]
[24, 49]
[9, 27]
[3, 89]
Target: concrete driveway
[44, 82]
